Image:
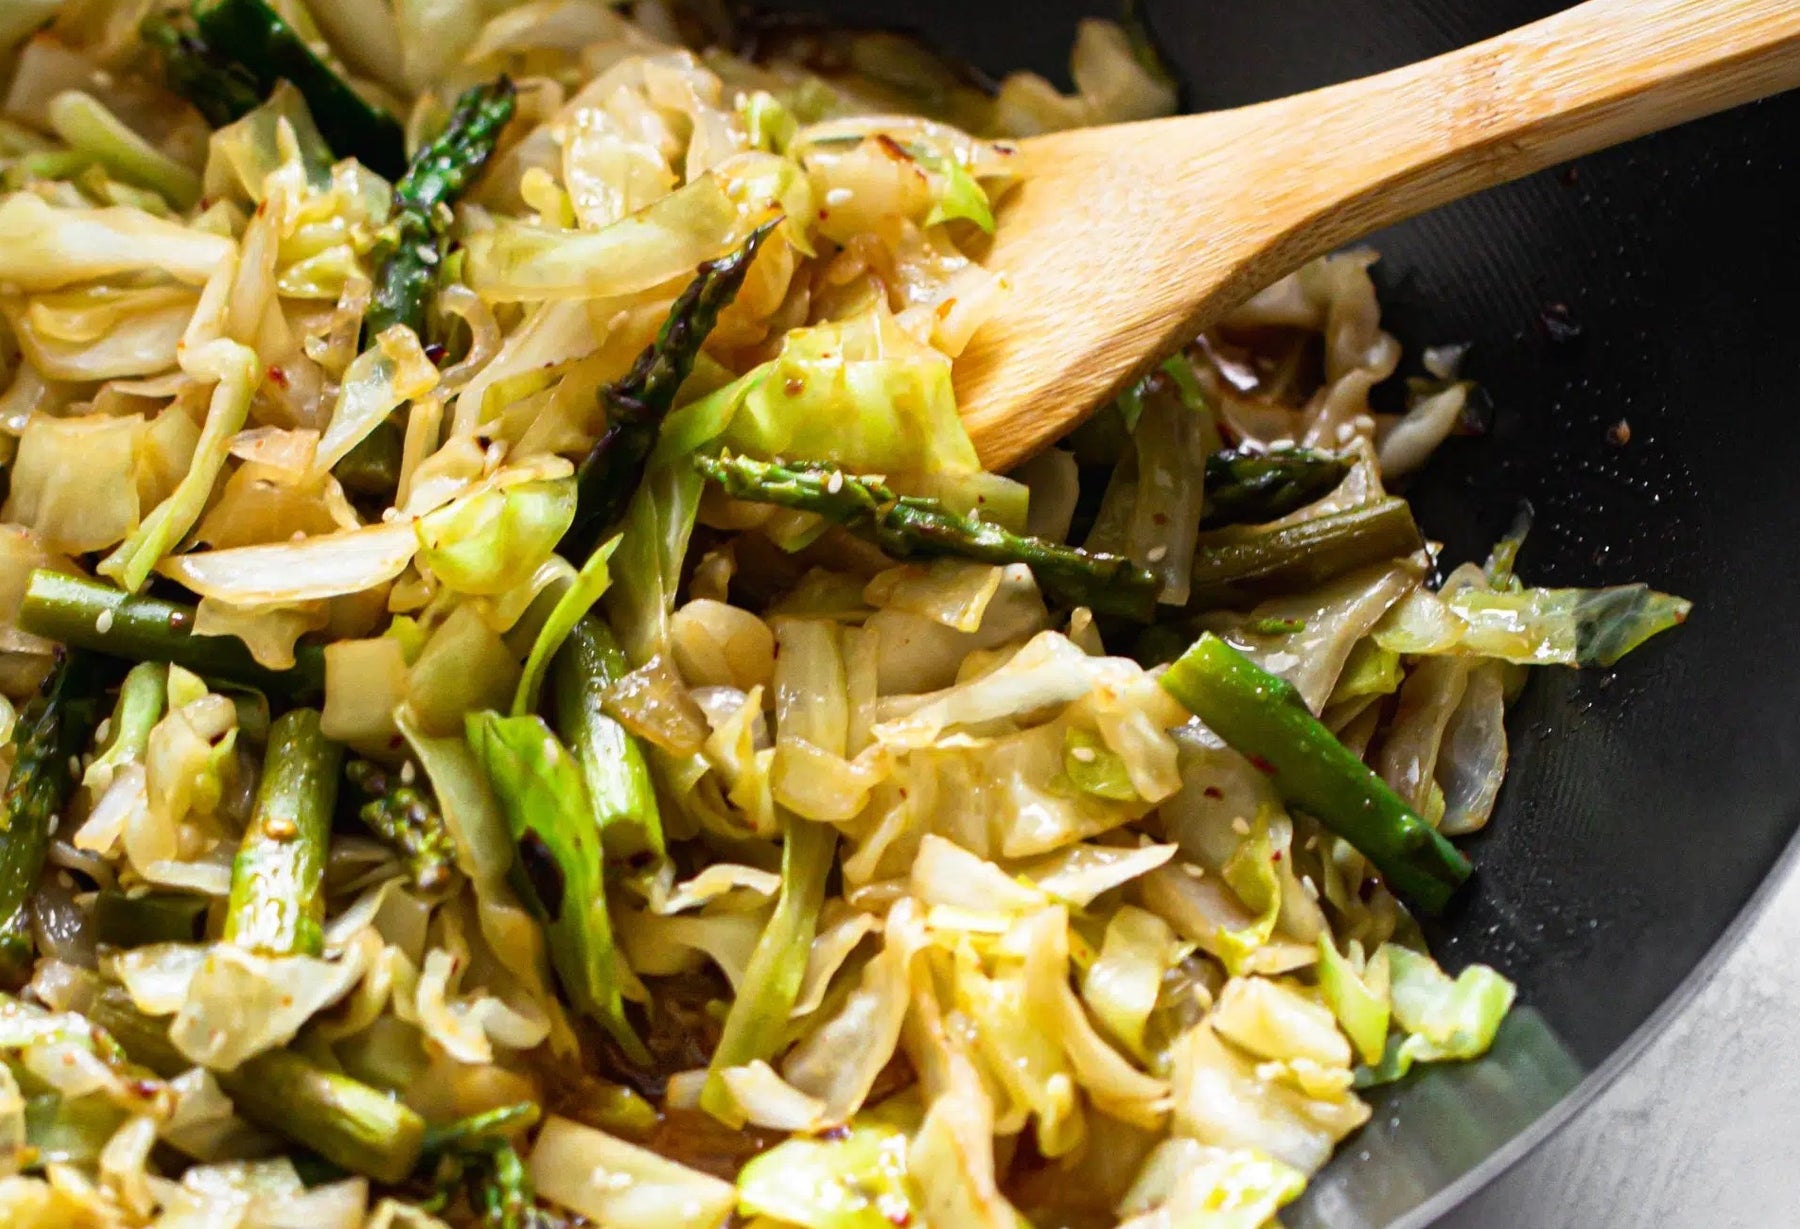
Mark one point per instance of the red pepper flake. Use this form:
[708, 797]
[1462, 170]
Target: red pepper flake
[435, 352]
[1263, 766]
[823, 214]
[891, 147]
[794, 386]
[1213, 791]
[1276, 856]
[835, 1133]
[277, 376]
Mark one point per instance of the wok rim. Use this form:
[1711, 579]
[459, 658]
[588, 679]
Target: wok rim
[1502, 1159]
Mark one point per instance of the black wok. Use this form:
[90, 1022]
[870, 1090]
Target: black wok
[1652, 286]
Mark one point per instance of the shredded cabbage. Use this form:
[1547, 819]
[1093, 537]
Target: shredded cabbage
[890, 883]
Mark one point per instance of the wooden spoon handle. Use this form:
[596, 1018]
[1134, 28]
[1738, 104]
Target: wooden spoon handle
[1123, 242]
[1593, 76]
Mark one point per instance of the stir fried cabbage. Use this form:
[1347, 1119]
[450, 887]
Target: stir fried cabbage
[521, 705]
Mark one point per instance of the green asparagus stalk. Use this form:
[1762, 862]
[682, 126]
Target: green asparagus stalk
[257, 42]
[124, 920]
[1262, 716]
[637, 404]
[345, 1121]
[219, 89]
[1245, 487]
[277, 902]
[372, 466]
[47, 741]
[93, 615]
[1241, 565]
[401, 812]
[906, 526]
[503, 1194]
[439, 173]
[559, 868]
[612, 762]
[473, 1130]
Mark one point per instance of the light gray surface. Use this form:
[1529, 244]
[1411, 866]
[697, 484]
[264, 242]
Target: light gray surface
[1702, 1131]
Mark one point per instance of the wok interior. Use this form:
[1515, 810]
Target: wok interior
[1653, 286]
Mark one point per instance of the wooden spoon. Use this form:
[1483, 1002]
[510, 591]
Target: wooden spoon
[1123, 242]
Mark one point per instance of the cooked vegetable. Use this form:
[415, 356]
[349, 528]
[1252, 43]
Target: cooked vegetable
[905, 526]
[717, 724]
[219, 88]
[90, 615]
[612, 762]
[412, 245]
[401, 812]
[347, 1122]
[1249, 487]
[258, 42]
[1238, 565]
[758, 1018]
[278, 877]
[557, 862]
[636, 405]
[1263, 717]
[46, 742]
[126, 920]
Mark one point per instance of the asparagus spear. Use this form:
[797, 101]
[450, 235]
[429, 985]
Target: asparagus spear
[219, 89]
[1262, 716]
[345, 1121]
[436, 176]
[372, 466]
[91, 614]
[47, 740]
[612, 762]
[906, 526]
[1246, 487]
[558, 868]
[123, 920]
[475, 1129]
[277, 902]
[1240, 565]
[255, 39]
[637, 404]
[404, 815]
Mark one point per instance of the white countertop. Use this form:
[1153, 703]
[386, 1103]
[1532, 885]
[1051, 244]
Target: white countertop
[1702, 1131]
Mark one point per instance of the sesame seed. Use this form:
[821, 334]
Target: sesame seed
[104, 622]
[839, 196]
[407, 773]
[1311, 888]
[1281, 446]
[103, 731]
[1192, 871]
[835, 483]
[75, 765]
[1241, 826]
[1156, 554]
[1085, 755]
[1312, 842]
[1364, 424]
[66, 880]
